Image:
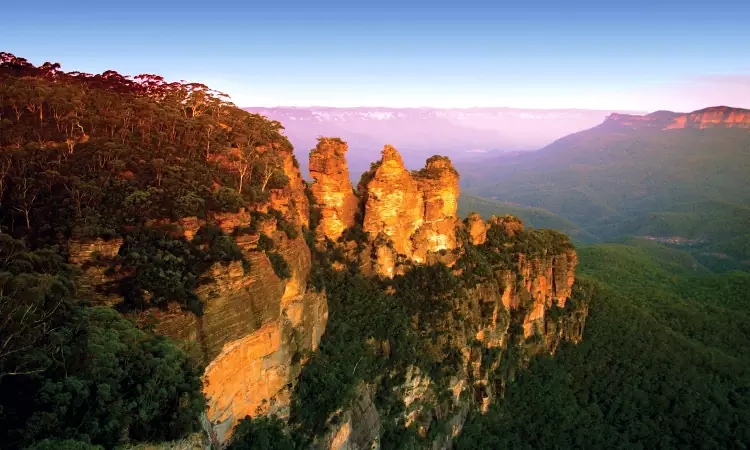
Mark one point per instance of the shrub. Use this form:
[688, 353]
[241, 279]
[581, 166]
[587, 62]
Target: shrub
[279, 264]
[265, 243]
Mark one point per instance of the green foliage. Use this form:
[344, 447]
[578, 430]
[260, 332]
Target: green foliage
[685, 183]
[354, 233]
[265, 243]
[261, 433]
[102, 153]
[73, 372]
[417, 322]
[662, 365]
[66, 444]
[532, 217]
[165, 268]
[279, 264]
[501, 251]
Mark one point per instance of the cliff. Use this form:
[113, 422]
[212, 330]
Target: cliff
[514, 299]
[332, 188]
[712, 117]
[523, 306]
[462, 304]
[255, 325]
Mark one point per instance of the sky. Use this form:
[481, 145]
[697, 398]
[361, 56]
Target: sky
[640, 55]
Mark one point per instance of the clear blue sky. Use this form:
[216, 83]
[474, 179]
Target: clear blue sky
[632, 54]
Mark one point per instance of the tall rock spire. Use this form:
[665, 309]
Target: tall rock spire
[332, 188]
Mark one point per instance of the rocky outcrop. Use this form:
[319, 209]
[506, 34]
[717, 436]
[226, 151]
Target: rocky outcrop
[393, 202]
[477, 229]
[291, 199]
[414, 213]
[332, 188]
[509, 316]
[712, 117]
[360, 426]
[438, 182]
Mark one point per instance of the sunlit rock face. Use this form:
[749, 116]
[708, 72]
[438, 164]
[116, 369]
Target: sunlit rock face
[438, 182]
[714, 117]
[332, 188]
[393, 202]
[477, 229]
[253, 326]
[291, 200]
[415, 211]
[536, 283]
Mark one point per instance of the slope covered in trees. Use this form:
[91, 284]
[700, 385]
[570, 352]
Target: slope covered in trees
[112, 157]
[615, 181]
[534, 217]
[663, 363]
[91, 154]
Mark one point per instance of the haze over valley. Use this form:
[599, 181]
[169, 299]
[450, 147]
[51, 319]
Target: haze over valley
[461, 134]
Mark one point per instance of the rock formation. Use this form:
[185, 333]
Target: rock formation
[521, 297]
[477, 229]
[393, 202]
[712, 117]
[332, 188]
[408, 215]
[256, 327]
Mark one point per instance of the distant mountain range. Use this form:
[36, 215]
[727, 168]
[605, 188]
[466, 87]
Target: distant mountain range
[672, 177]
[712, 117]
[462, 134]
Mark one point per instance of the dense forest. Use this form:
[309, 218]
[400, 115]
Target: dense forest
[664, 363]
[100, 156]
[611, 182]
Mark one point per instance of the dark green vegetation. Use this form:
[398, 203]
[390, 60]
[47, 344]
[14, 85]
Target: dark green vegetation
[262, 433]
[664, 363]
[377, 329]
[78, 372]
[686, 183]
[86, 157]
[101, 156]
[531, 217]
[170, 268]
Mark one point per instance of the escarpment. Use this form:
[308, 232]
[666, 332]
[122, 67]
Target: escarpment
[462, 304]
[712, 117]
[511, 296]
[254, 322]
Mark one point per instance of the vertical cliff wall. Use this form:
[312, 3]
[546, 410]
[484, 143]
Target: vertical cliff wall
[255, 326]
[514, 300]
